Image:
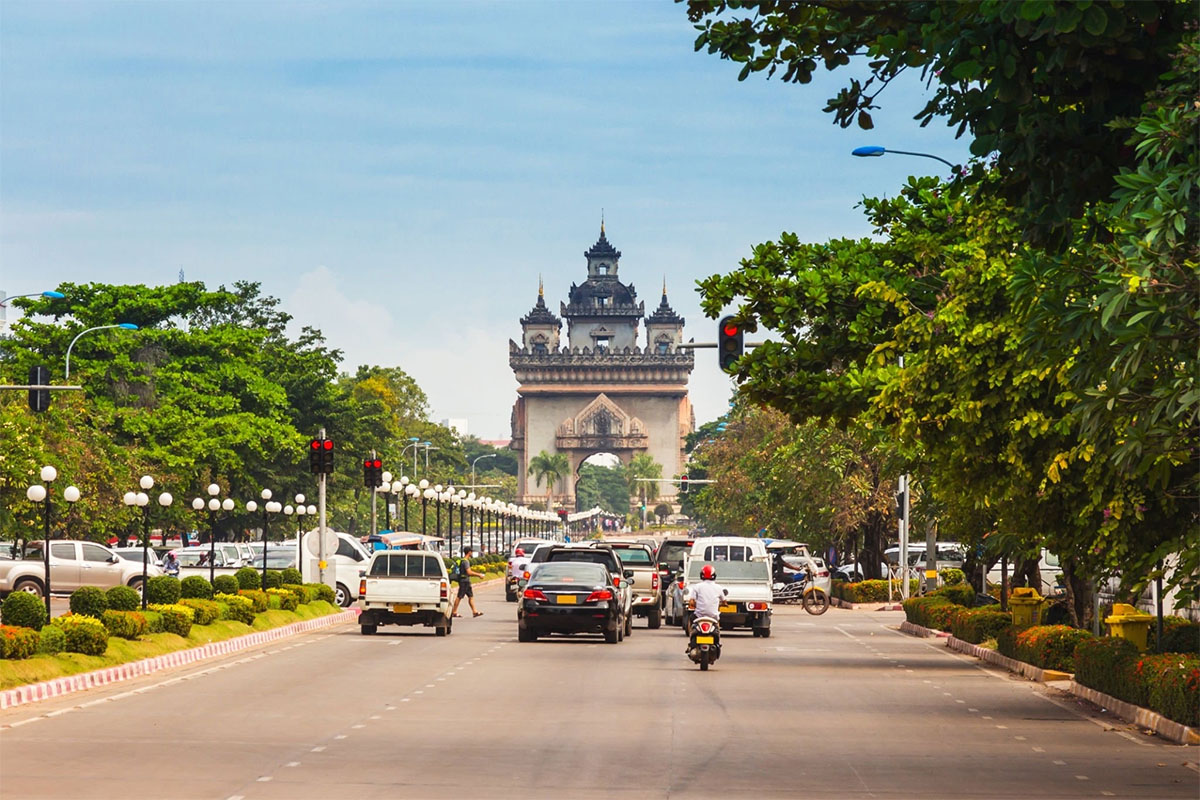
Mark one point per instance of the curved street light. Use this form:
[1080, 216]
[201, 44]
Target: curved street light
[875, 151]
[49, 294]
[125, 326]
[476, 461]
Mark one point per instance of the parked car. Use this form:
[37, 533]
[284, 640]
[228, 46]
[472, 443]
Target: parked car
[345, 564]
[135, 554]
[571, 597]
[405, 587]
[72, 564]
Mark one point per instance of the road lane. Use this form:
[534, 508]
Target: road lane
[840, 705]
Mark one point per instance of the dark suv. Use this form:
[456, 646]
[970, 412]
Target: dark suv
[593, 554]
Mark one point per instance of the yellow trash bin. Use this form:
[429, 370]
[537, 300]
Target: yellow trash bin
[1026, 606]
[1129, 623]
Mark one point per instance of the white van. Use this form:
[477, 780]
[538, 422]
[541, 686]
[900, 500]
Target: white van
[1049, 566]
[728, 548]
[344, 564]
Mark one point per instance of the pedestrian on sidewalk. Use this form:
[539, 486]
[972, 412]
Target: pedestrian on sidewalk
[465, 573]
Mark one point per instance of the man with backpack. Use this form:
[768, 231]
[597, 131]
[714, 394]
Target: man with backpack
[465, 573]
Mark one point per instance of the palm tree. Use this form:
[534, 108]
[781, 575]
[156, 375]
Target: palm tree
[643, 466]
[548, 467]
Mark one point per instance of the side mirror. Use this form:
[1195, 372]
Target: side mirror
[628, 573]
[114, 558]
[362, 573]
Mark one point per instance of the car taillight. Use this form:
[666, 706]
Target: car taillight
[445, 591]
[362, 588]
[823, 574]
[654, 581]
[525, 574]
[601, 594]
[536, 594]
[616, 581]
[705, 627]
[756, 606]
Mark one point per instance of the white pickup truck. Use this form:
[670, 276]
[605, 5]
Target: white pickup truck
[405, 587]
[748, 593]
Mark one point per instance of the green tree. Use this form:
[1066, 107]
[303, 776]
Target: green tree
[642, 474]
[549, 468]
[601, 486]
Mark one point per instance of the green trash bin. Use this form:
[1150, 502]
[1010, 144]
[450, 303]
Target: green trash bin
[1129, 623]
[1026, 606]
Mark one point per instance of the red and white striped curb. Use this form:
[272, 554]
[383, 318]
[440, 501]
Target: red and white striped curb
[58, 687]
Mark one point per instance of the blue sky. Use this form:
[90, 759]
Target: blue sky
[400, 174]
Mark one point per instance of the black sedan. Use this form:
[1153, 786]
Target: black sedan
[570, 597]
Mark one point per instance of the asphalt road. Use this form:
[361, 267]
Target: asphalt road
[835, 706]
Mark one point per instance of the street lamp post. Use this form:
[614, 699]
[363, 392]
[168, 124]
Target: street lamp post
[476, 461]
[126, 326]
[437, 499]
[427, 494]
[875, 151]
[385, 488]
[269, 507]
[142, 500]
[40, 493]
[410, 491]
[428, 446]
[415, 443]
[461, 502]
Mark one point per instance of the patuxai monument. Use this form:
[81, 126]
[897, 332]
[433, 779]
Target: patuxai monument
[604, 389]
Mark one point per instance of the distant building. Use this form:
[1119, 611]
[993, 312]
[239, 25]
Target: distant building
[459, 426]
[499, 444]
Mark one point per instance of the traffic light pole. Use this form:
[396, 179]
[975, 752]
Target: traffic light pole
[321, 521]
[374, 514]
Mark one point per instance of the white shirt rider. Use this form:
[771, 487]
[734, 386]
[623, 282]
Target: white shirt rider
[708, 596]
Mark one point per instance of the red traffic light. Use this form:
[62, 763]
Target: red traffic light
[327, 444]
[731, 329]
[368, 463]
[377, 464]
[315, 444]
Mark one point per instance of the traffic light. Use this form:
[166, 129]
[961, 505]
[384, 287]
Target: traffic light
[730, 344]
[39, 399]
[372, 473]
[562, 514]
[683, 484]
[314, 456]
[900, 498]
[327, 456]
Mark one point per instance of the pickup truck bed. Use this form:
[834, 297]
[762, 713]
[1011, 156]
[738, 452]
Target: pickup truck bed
[405, 587]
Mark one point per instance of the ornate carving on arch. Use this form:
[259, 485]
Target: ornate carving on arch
[601, 425]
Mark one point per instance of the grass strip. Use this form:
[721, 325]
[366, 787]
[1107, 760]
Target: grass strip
[122, 651]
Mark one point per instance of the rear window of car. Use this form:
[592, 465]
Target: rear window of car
[405, 565]
[601, 557]
[672, 552]
[727, 552]
[567, 572]
[732, 570]
[633, 555]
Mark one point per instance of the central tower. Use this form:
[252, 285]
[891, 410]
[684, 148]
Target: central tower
[603, 392]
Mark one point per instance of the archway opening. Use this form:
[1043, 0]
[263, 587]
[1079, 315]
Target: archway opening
[600, 481]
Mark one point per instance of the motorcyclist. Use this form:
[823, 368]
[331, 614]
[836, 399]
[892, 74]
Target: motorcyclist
[708, 594]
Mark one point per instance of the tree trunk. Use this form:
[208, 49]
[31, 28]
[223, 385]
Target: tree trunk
[1079, 596]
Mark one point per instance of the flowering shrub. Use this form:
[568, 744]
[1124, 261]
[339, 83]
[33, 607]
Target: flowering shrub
[163, 589]
[23, 609]
[17, 641]
[176, 619]
[248, 578]
[237, 608]
[204, 612]
[196, 586]
[1048, 646]
[257, 597]
[1183, 637]
[922, 610]
[305, 592]
[123, 598]
[225, 584]
[125, 624]
[872, 591]
[84, 634]
[322, 592]
[90, 601]
[961, 594]
[1171, 685]
[1106, 665]
[288, 601]
[977, 625]
[951, 576]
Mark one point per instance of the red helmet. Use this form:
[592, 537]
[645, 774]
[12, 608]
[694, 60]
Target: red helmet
[519, 552]
[708, 573]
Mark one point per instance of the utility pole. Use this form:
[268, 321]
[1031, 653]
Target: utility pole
[321, 522]
[374, 492]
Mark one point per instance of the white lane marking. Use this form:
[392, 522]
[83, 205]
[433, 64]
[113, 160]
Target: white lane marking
[961, 701]
[945, 694]
[318, 749]
[376, 716]
[1019, 738]
[292, 764]
[236, 797]
[1060, 763]
[1081, 777]
[974, 710]
[404, 700]
[264, 779]
[340, 736]
[356, 727]
[985, 716]
[839, 629]
[1108, 794]
[440, 679]
[1002, 727]
[430, 686]
[450, 673]
[1039, 749]
[419, 691]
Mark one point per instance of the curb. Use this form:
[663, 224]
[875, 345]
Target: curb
[918, 630]
[1142, 717]
[875, 606]
[34, 692]
[1011, 664]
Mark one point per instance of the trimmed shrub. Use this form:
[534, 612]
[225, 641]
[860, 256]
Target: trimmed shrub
[176, 619]
[865, 591]
[1170, 683]
[248, 578]
[322, 592]
[163, 590]
[125, 624]
[1049, 646]
[237, 608]
[123, 598]
[24, 610]
[274, 579]
[977, 625]
[919, 610]
[288, 601]
[305, 592]
[17, 641]
[951, 576]
[257, 597]
[225, 584]
[1106, 665]
[204, 612]
[197, 587]
[961, 594]
[89, 601]
[291, 575]
[154, 623]
[1181, 638]
[51, 640]
[84, 634]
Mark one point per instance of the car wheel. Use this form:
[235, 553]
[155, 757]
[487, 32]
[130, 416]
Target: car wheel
[342, 596]
[629, 624]
[654, 620]
[29, 586]
[510, 596]
[763, 632]
[613, 635]
[369, 630]
[525, 635]
[136, 585]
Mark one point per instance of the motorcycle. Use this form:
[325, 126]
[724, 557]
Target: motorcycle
[704, 646]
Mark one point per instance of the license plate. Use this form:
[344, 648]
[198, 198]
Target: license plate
[704, 640]
[400, 608]
[566, 600]
[729, 609]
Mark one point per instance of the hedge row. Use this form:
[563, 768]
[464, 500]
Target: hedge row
[1168, 683]
[96, 615]
[872, 591]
